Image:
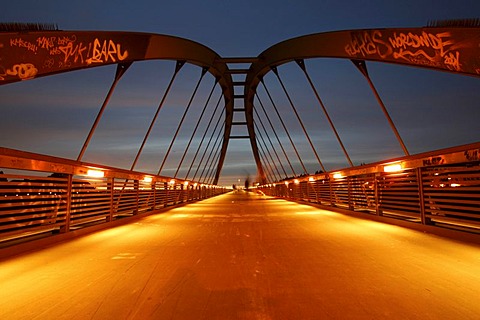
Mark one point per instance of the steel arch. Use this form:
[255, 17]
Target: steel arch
[28, 55]
[453, 49]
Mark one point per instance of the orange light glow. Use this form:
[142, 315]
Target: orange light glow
[337, 175]
[95, 173]
[393, 168]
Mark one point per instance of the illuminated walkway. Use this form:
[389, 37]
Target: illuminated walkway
[244, 256]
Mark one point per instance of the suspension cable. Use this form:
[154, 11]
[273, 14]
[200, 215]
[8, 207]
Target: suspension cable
[276, 135]
[178, 66]
[285, 128]
[271, 144]
[266, 148]
[265, 159]
[204, 71]
[208, 144]
[121, 69]
[196, 127]
[274, 69]
[268, 171]
[210, 176]
[213, 151]
[301, 64]
[204, 135]
[362, 66]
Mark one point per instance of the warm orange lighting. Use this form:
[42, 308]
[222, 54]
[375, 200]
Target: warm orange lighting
[95, 173]
[195, 184]
[311, 179]
[392, 168]
[296, 181]
[337, 175]
[286, 183]
[185, 183]
[147, 179]
[172, 182]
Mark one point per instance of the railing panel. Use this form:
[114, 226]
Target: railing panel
[439, 188]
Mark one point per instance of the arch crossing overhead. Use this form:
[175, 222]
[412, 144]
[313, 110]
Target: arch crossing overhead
[452, 49]
[28, 55]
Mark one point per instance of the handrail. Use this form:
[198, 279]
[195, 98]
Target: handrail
[438, 188]
[43, 195]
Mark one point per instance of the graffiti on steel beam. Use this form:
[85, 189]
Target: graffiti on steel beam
[424, 47]
[30, 54]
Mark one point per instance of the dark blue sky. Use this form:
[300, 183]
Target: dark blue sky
[432, 110]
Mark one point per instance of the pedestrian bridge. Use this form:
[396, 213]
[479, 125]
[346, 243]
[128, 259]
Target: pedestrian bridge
[272, 252]
[245, 256]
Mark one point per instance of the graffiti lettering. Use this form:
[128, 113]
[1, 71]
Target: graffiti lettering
[452, 61]
[65, 40]
[73, 51]
[472, 155]
[46, 43]
[433, 161]
[425, 40]
[368, 44]
[24, 71]
[106, 51]
[19, 42]
[424, 48]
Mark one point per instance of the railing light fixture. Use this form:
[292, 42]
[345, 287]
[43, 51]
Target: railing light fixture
[95, 173]
[392, 167]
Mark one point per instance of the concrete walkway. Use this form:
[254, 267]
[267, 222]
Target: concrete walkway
[244, 256]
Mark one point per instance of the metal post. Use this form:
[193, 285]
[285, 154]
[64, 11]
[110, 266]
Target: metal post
[110, 188]
[68, 213]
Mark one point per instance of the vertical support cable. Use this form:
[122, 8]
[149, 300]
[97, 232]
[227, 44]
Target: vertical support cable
[271, 144]
[178, 66]
[196, 127]
[270, 172]
[275, 71]
[204, 135]
[278, 139]
[210, 175]
[301, 64]
[285, 128]
[361, 65]
[121, 69]
[208, 144]
[204, 71]
[266, 148]
[210, 154]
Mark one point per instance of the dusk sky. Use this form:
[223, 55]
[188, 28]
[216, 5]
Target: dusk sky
[52, 115]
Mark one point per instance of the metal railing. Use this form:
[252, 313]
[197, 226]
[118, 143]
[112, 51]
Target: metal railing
[439, 188]
[37, 203]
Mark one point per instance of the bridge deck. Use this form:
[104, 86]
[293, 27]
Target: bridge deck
[244, 256]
